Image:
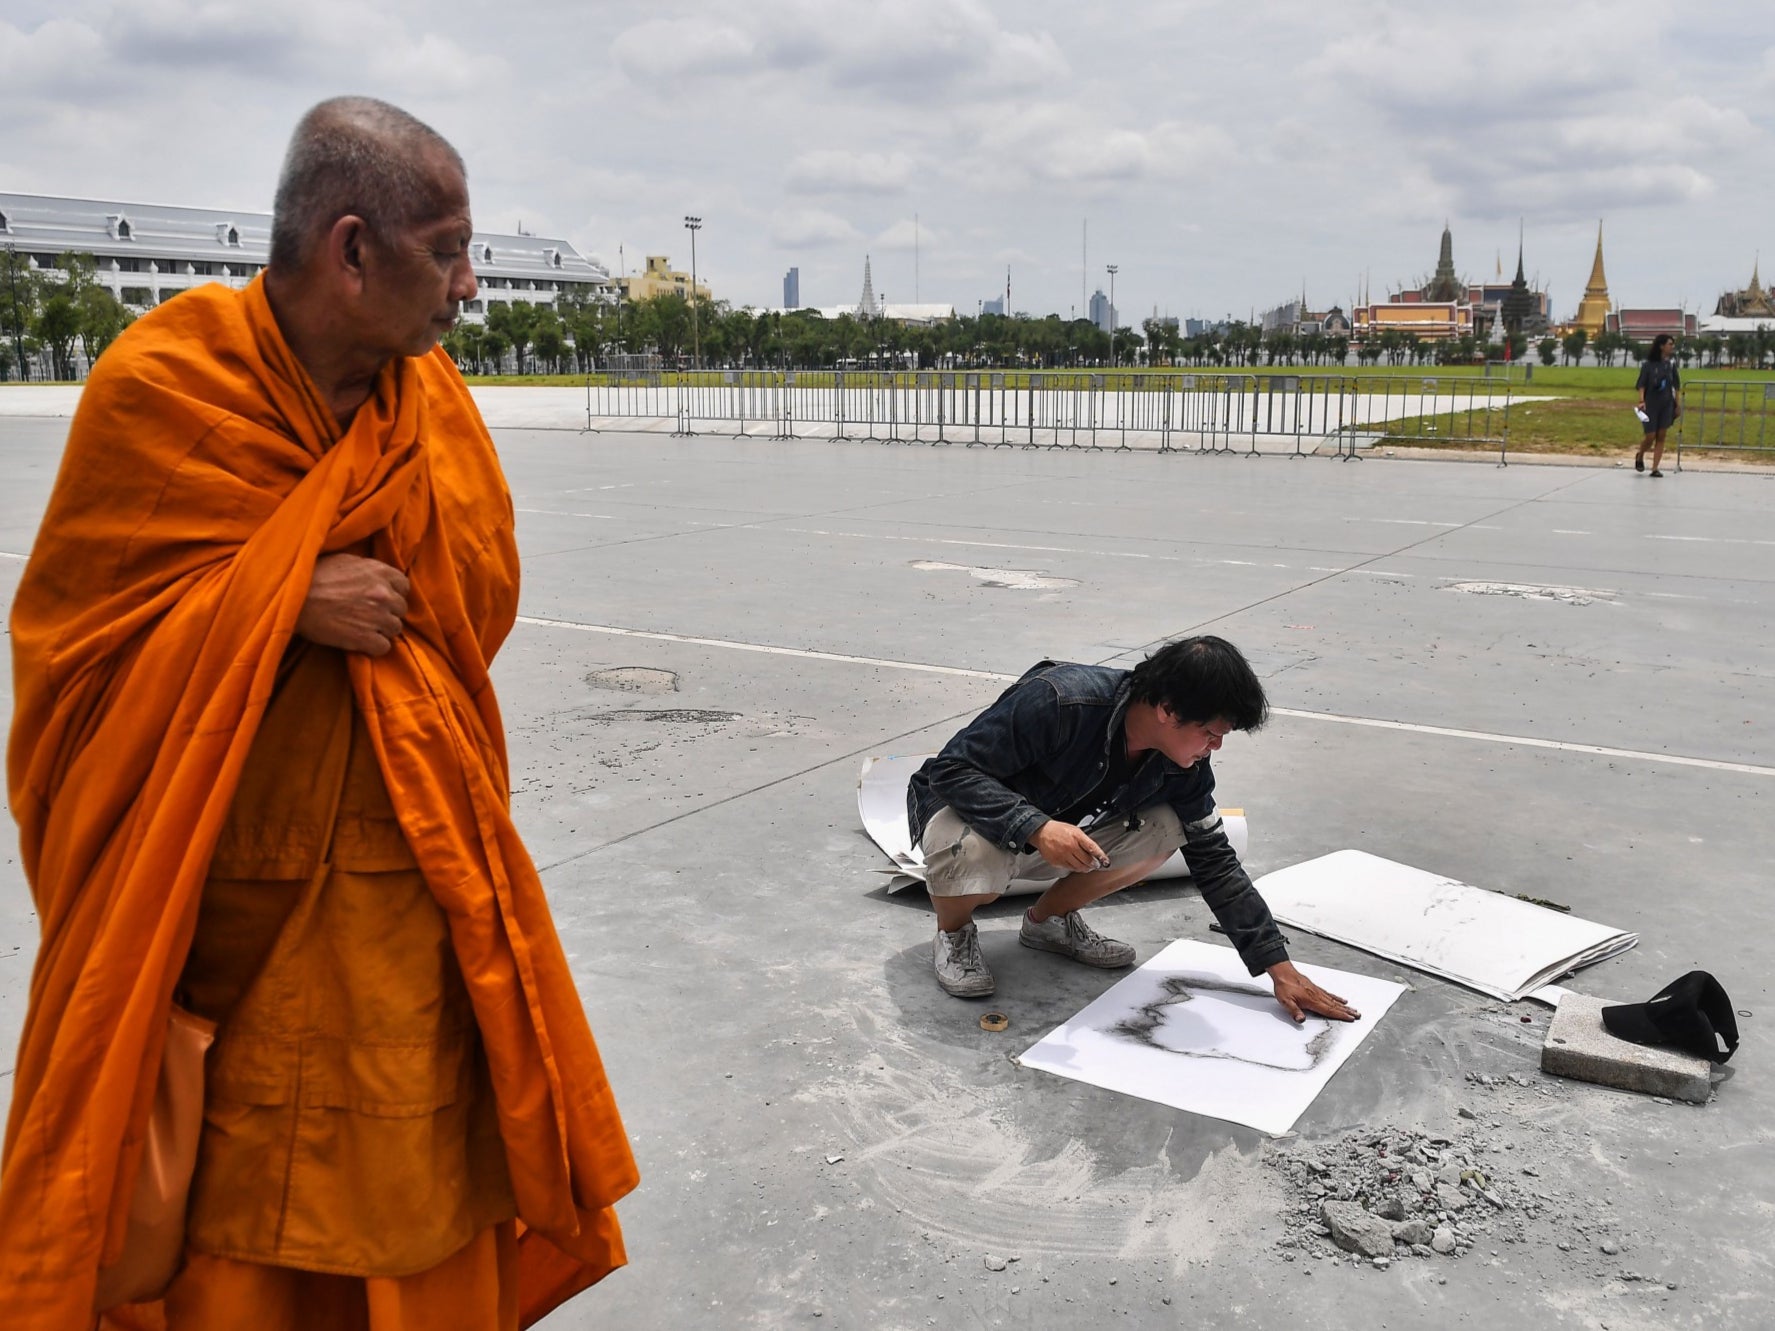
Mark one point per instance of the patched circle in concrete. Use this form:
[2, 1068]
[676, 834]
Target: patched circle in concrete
[634, 679]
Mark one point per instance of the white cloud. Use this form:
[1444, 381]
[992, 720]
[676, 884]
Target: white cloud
[810, 228]
[676, 48]
[906, 235]
[433, 62]
[61, 56]
[1068, 144]
[838, 170]
[1300, 140]
[205, 33]
[905, 51]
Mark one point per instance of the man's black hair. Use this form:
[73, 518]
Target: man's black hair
[1202, 679]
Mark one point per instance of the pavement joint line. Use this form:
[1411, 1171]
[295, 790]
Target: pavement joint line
[1338, 718]
[872, 747]
[1363, 565]
[1528, 741]
[765, 648]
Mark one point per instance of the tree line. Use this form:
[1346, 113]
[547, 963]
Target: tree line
[665, 332]
[47, 313]
[668, 331]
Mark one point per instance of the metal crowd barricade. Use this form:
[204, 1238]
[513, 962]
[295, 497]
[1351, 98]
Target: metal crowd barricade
[1172, 411]
[1726, 416]
[1427, 409]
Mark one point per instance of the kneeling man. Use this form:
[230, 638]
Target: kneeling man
[1088, 778]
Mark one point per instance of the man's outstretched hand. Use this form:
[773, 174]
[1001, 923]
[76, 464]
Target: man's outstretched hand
[1298, 995]
[355, 604]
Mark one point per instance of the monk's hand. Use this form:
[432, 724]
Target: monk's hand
[1067, 847]
[355, 604]
[1298, 995]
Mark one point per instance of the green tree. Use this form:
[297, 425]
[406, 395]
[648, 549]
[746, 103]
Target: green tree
[58, 327]
[592, 326]
[516, 322]
[548, 336]
[20, 293]
[1128, 344]
[102, 315]
[494, 345]
[1573, 344]
[1549, 349]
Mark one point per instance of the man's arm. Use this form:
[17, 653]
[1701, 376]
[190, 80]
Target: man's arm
[1016, 732]
[1245, 916]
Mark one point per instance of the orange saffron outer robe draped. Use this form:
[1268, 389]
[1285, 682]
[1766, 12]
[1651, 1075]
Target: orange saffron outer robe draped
[203, 478]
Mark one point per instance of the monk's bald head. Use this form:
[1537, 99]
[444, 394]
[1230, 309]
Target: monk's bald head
[356, 156]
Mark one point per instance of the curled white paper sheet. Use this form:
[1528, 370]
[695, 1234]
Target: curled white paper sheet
[1192, 1030]
[881, 804]
[1484, 940]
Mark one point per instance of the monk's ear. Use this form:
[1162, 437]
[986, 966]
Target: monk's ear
[347, 240]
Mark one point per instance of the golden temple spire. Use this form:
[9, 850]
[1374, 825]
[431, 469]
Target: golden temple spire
[1593, 309]
[1598, 284]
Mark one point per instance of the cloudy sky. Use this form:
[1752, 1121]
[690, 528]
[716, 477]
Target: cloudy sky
[1224, 154]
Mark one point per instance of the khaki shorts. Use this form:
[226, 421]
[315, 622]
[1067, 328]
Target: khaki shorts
[959, 862]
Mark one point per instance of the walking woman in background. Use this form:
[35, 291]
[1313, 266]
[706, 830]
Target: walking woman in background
[1659, 383]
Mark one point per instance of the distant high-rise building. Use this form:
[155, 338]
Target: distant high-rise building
[1101, 313]
[792, 289]
[994, 306]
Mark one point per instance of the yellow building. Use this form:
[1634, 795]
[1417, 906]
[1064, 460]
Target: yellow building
[1426, 320]
[658, 278]
[1593, 309]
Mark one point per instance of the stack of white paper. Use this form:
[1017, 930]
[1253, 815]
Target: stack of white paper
[1487, 941]
[881, 804]
[1192, 1030]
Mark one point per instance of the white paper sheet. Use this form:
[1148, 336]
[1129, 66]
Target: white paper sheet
[1485, 940]
[881, 804]
[1192, 1030]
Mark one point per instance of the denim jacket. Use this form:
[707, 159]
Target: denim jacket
[1045, 744]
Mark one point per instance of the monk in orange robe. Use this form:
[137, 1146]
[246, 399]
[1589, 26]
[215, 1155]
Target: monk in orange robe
[258, 765]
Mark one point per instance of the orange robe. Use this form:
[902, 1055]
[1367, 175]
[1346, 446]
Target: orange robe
[350, 1121]
[202, 480]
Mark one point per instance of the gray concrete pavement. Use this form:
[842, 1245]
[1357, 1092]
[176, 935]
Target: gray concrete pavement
[825, 1138]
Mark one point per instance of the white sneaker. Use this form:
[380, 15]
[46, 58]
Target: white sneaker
[961, 970]
[1070, 936]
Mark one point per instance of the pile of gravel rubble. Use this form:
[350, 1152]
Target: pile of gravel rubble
[1374, 1196]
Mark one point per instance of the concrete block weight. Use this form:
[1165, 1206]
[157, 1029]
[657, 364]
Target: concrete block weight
[1579, 1046]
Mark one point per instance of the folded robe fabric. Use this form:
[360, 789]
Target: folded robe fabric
[203, 478]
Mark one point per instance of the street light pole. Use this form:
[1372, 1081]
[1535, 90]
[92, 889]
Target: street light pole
[694, 225]
[1112, 314]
